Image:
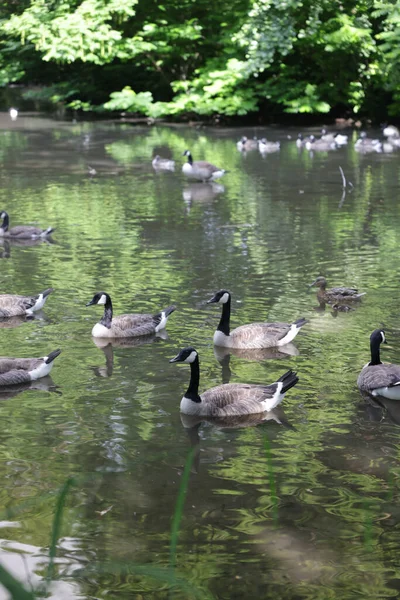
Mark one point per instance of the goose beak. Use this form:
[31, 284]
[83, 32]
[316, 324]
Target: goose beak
[90, 303]
[175, 359]
[212, 300]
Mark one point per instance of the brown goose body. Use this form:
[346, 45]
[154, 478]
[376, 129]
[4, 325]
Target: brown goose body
[12, 305]
[230, 399]
[128, 325]
[15, 371]
[253, 335]
[377, 378]
[22, 231]
[201, 169]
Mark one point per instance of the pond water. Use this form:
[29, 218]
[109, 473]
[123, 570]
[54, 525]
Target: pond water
[304, 505]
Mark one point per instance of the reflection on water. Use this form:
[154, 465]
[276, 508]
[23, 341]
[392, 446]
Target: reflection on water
[302, 505]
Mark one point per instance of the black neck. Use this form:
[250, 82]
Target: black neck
[223, 324]
[190, 159]
[4, 225]
[108, 313]
[375, 354]
[193, 390]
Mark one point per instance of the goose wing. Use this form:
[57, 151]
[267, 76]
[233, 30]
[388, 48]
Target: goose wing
[373, 377]
[25, 231]
[132, 325]
[237, 398]
[12, 305]
[256, 333]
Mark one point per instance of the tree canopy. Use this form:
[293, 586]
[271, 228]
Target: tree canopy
[185, 59]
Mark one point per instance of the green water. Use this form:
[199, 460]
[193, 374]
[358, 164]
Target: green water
[305, 506]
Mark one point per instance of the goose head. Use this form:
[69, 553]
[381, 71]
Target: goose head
[319, 282]
[3, 214]
[99, 298]
[222, 297]
[187, 355]
[377, 337]
[187, 153]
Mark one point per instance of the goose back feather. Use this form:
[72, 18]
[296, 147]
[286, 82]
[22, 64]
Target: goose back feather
[230, 399]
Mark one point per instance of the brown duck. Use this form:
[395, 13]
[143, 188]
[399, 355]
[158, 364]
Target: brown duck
[337, 295]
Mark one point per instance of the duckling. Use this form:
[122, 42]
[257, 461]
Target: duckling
[254, 335]
[200, 169]
[244, 144]
[131, 325]
[265, 147]
[163, 164]
[20, 370]
[337, 295]
[230, 399]
[12, 305]
[377, 378]
[22, 231]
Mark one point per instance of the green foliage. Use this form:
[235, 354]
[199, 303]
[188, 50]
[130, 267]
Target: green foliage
[183, 59]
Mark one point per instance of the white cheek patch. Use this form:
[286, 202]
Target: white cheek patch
[191, 358]
[103, 299]
[383, 337]
[224, 299]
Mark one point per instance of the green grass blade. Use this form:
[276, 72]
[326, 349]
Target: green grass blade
[55, 533]
[16, 589]
[179, 506]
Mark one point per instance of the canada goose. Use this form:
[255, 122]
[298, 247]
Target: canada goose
[200, 169]
[22, 231]
[13, 112]
[391, 131]
[366, 144]
[322, 145]
[163, 164]
[131, 325]
[19, 370]
[337, 295]
[230, 399]
[337, 138]
[301, 141]
[377, 378]
[244, 144]
[13, 305]
[254, 335]
[265, 147]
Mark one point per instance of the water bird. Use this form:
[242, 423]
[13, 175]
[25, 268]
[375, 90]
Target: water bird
[201, 169]
[366, 144]
[253, 335]
[336, 295]
[320, 144]
[391, 131]
[22, 231]
[163, 164]
[302, 141]
[21, 370]
[264, 146]
[244, 144]
[130, 325]
[338, 138]
[13, 112]
[377, 378]
[92, 171]
[13, 305]
[230, 399]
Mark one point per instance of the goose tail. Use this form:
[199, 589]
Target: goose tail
[47, 231]
[53, 355]
[288, 380]
[47, 292]
[300, 322]
[161, 318]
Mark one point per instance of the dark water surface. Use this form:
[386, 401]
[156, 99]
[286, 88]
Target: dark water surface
[304, 506]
